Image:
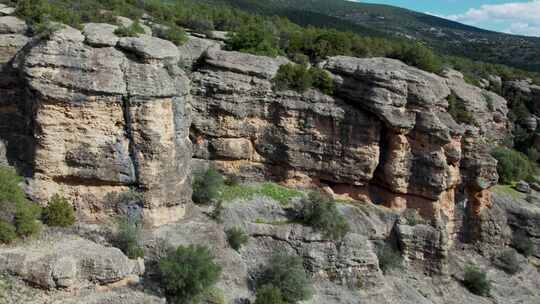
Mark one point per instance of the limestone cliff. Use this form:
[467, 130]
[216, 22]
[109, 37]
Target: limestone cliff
[385, 137]
[99, 114]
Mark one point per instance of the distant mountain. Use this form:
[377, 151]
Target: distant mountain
[446, 36]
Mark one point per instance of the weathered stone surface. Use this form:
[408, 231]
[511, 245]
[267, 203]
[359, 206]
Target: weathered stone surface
[6, 10]
[126, 22]
[12, 25]
[424, 247]
[244, 63]
[523, 187]
[194, 48]
[149, 47]
[107, 123]
[68, 263]
[100, 34]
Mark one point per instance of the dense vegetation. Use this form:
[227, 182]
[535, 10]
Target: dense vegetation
[207, 185]
[300, 77]
[513, 165]
[286, 273]
[321, 213]
[188, 273]
[18, 216]
[269, 294]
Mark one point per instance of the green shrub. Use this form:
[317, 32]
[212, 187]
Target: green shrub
[207, 185]
[458, 111]
[128, 237]
[322, 214]
[187, 272]
[389, 258]
[413, 217]
[59, 212]
[475, 280]
[8, 233]
[15, 209]
[269, 294]
[173, 33]
[508, 261]
[523, 244]
[236, 237]
[213, 296]
[287, 273]
[258, 39]
[512, 165]
[129, 31]
[299, 77]
[217, 212]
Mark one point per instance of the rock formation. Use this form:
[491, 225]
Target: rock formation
[101, 114]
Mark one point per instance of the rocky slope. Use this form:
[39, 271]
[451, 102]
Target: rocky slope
[91, 115]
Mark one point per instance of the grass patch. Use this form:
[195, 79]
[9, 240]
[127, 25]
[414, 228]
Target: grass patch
[274, 191]
[508, 190]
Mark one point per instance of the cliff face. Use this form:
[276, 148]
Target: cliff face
[105, 115]
[386, 137]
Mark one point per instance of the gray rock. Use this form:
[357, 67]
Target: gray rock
[195, 48]
[6, 10]
[244, 63]
[523, 187]
[219, 35]
[12, 25]
[100, 34]
[149, 47]
[3, 154]
[68, 263]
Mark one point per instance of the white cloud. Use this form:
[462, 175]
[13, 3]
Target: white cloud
[519, 17]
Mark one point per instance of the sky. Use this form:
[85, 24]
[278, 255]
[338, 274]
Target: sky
[510, 16]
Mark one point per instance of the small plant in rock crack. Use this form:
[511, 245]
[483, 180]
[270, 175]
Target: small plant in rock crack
[59, 212]
[236, 237]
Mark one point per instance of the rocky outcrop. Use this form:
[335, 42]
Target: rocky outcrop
[385, 137]
[103, 115]
[70, 262]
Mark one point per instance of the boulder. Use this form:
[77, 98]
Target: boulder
[6, 10]
[12, 25]
[100, 34]
[244, 63]
[195, 48]
[523, 187]
[149, 47]
[68, 263]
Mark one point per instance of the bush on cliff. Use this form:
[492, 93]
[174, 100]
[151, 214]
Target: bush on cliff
[300, 77]
[236, 237]
[475, 280]
[512, 165]
[508, 261]
[187, 273]
[389, 258]
[129, 31]
[8, 232]
[16, 212]
[321, 213]
[269, 294]
[128, 237]
[523, 244]
[207, 185]
[457, 110]
[173, 33]
[286, 273]
[59, 212]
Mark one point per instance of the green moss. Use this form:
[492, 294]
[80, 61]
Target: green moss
[508, 190]
[279, 193]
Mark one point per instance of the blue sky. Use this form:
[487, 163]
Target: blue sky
[510, 16]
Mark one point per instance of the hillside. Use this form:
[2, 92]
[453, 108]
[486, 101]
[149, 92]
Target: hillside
[446, 36]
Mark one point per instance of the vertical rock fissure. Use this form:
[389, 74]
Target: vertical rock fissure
[126, 105]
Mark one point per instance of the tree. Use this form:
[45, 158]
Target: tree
[187, 272]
